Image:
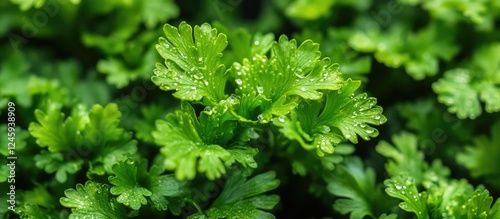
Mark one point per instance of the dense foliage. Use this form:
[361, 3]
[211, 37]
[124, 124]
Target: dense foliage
[250, 109]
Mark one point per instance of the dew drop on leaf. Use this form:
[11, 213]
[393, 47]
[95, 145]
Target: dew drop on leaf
[260, 90]
[281, 118]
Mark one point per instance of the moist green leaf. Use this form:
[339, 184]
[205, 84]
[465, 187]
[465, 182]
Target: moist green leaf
[291, 71]
[192, 62]
[404, 188]
[55, 132]
[129, 192]
[242, 198]
[184, 149]
[92, 200]
[344, 116]
[103, 124]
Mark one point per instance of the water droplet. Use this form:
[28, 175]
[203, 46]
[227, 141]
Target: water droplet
[260, 117]
[281, 118]
[263, 59]
[239, 81]
[193, 88]
[347, 135]
[324, 129]
[198, 76]
[208, 110]
[260, 90]
[303, 89]
[256, 42]
[233, 97]
[167, 45]
[369, 131]
[398, 187]
[403, 205]
[78, 132]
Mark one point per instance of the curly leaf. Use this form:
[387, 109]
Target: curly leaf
[192, 62]
[344, 116]
[405, 189]
[268, 83]
[184, 149]
[92, 201]
[242, 198]
[129, 192]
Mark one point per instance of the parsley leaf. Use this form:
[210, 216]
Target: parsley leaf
[242, 198]
[92, 200]
[405, 157]
[94, 137]
[192, 62]
[344, 116]
[55, 162]
[480, 158]
[461, 89]
[135, 185]
[405, 189]
[178, 131]
[243, 45]
[53, 131]
[129, 192]
[361, 196]
[418, 52]
[290, 71]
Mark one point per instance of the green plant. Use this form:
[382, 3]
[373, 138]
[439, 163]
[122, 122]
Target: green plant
[233, 122]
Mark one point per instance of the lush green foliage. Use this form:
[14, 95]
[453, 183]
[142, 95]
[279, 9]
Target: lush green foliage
[251, 109]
